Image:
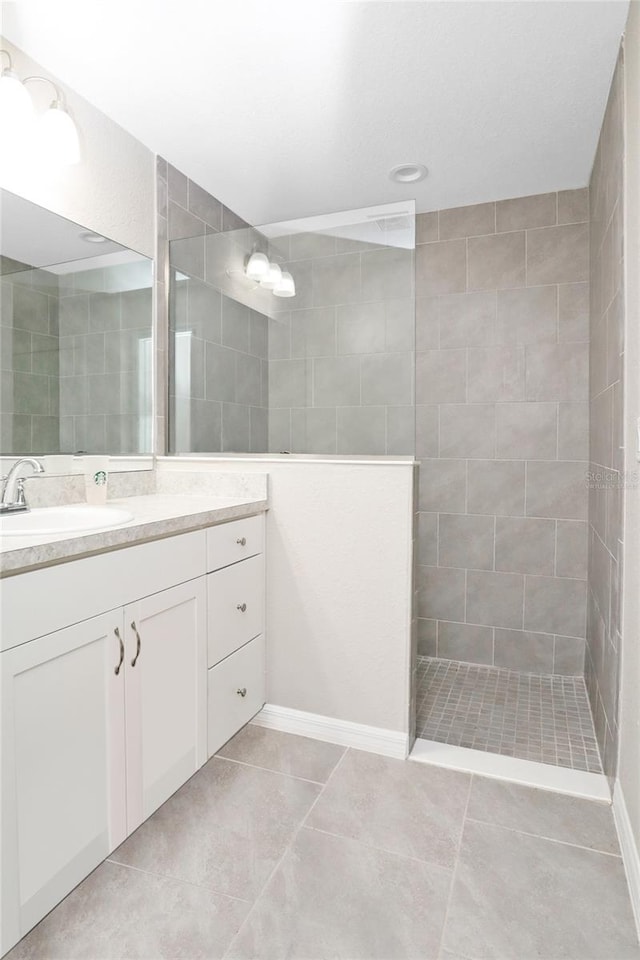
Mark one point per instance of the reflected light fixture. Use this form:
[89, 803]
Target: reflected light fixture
[286, 286]
[257, 266]
[268, 275]
[52, 134]
[16, 106]
[273, 277]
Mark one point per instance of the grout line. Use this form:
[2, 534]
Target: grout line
[170, 876]
[373, 846]
[540, 836]
[255, 766]
[288, 847]
[455, 866]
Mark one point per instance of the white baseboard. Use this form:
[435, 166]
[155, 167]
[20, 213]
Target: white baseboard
[629, 848]
[388, 743]
[544, 776]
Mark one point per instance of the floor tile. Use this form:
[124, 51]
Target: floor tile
[546, 814]
[283, 752]
[517, 896]
[337, 898]
[405, 808]
[225, 829]
[118, 912]
[538, 717]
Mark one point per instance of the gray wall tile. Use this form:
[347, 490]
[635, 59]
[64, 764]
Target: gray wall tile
[525, 545]
[465, 541]
[522, 213]
[495, 374]
[526, 431]
[497, 262]
[557, 371]
[441, 376]
[558, 254]
[362, 430]
[524, 650]
[440, 592]
[527, 315]
[387, 379]
[495, 599]
[555, 605]
[496, 487]
[557, 490]
[465, 641]
[441, 268]
[467, 430]
[467, 221]
[336, 382]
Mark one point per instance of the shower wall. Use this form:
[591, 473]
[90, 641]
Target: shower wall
[341, 363]
[502, 326]
[606, 480]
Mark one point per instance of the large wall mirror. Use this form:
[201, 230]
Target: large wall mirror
[76, 346]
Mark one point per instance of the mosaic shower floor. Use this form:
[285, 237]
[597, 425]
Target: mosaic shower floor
[526, 715]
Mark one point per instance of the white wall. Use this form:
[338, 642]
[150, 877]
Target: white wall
[339, 545]
[629, 758]
[111, 192]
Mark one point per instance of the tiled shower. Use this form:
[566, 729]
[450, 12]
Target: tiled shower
[490, 350]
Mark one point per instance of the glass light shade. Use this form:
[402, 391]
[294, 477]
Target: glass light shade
[58, 136]
[16, 106]
[258, 266]
[286, 287]
[273, 278]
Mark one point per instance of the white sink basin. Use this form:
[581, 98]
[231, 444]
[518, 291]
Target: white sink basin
[73, 519]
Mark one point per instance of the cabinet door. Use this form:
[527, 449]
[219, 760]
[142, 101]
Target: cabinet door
[63, 766]
[166, 695]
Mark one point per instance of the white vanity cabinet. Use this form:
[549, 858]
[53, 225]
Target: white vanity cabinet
[111, 709]
[236, 615]
[165, 695]
[63, 773]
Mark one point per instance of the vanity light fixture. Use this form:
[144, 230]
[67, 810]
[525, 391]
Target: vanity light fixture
[52, 133]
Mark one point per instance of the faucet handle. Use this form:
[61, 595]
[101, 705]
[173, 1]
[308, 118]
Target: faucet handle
[20, 500]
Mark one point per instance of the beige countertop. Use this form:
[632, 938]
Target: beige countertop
[154, 516]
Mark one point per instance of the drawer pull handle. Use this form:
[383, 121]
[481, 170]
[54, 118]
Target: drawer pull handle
[241, 691]
[242, 607]
[117, 668]
[242, 542]
[138, 643]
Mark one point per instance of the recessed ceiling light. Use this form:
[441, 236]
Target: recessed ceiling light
[93, 238]
[408, 173]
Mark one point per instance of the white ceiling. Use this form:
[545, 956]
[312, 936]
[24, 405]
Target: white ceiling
[293, 108]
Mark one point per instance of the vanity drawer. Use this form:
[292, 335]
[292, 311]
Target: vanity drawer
[229, 542]
[236, 692]
[235, 607]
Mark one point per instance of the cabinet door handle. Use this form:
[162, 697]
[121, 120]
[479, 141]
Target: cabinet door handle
[241, 691]
[119, 664]
[242, 607]
[138, 643]
[242, 542]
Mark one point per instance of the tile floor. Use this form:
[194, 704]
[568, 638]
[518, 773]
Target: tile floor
[285, 848]
[542, 718]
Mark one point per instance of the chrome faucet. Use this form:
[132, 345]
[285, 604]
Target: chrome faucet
[13, 499]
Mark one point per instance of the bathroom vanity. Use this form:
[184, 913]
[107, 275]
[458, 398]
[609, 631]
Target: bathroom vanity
[126, 662]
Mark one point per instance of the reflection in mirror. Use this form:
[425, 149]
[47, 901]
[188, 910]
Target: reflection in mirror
[76, 338]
